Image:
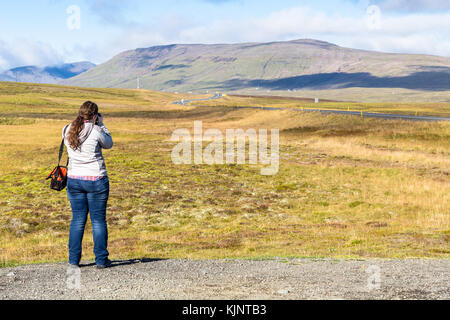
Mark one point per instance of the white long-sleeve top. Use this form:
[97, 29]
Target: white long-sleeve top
[88, 160]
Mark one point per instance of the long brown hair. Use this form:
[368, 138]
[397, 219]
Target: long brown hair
[88, 111]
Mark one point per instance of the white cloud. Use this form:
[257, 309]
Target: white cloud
[408, 33]
[167, 29]
[417, 44]
[22, 52]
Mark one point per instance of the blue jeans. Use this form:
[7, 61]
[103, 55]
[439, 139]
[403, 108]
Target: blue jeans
[89, 196]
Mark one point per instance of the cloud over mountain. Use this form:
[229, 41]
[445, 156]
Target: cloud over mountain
[27, 52]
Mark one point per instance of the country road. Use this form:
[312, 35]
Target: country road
[328, 111]
[275, 278]
[186, 101]
[358, 113]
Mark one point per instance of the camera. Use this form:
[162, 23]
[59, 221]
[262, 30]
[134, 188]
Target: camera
[99, 115]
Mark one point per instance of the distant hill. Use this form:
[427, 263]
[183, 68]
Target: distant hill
[50, 74]
[297, 64]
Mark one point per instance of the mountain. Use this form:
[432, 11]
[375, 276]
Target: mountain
[49, 74]
[285, 65]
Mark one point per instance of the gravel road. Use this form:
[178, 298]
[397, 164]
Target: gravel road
[232, 279]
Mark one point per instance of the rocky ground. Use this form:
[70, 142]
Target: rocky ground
[231, 279]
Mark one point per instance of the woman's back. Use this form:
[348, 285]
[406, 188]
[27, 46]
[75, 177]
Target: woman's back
[88, 160]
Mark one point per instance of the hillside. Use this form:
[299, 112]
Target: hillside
[49, 74]
[290, 65]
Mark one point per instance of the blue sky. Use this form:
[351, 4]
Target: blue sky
[37, 32]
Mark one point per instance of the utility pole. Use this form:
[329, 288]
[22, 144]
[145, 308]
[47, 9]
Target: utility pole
[138, 83]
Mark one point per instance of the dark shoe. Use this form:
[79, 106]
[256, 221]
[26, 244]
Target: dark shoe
[106, 265]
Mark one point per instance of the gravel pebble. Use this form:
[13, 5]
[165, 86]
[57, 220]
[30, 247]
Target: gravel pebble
[232, 279]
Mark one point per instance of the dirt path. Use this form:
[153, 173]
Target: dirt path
[232, 279]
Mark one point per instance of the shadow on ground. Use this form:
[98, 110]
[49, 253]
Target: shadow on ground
[116, 263]
[428, 78]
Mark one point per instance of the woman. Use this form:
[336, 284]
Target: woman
[88, 183]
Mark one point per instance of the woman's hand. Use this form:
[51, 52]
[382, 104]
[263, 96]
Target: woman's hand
[100, 118]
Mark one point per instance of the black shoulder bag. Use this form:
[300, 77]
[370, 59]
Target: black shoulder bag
[59, 174]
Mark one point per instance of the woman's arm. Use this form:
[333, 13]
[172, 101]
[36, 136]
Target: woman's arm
[105, 138]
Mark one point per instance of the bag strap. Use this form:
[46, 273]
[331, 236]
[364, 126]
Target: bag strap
[61, 147]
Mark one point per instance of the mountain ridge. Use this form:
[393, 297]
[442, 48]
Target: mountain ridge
[182, 67]
[48, 74]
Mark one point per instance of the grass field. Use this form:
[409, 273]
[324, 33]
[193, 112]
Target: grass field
[346, 187]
